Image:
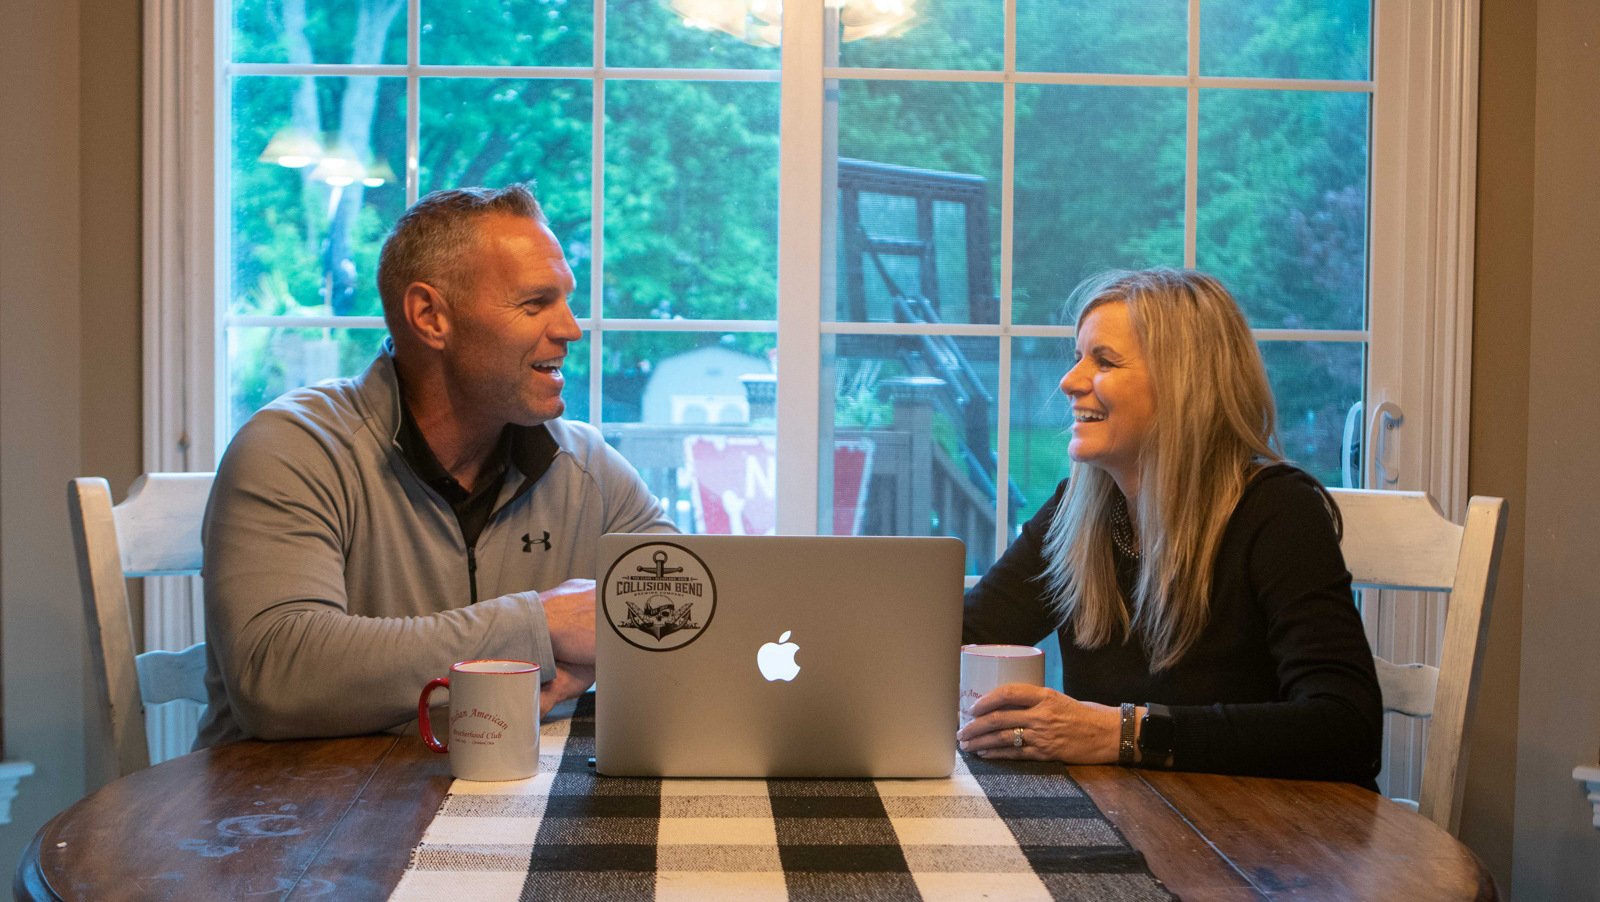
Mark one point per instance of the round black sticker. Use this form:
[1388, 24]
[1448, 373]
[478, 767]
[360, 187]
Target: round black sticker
[659, 596]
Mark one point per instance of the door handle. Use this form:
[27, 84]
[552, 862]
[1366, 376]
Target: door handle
[1382, 440]
[1349, 474]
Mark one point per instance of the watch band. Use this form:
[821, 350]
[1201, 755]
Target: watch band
[1125, 747]
[1156, 735]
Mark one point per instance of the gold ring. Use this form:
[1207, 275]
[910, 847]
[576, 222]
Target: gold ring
[1016, 738]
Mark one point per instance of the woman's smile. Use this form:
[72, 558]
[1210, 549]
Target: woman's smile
[1113, 399]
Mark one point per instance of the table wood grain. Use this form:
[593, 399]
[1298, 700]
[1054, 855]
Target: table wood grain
[337, 818]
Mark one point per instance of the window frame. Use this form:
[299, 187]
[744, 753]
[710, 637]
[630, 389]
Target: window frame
[1422, 185]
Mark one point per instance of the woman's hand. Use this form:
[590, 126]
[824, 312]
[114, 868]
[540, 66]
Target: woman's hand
[1055, 727]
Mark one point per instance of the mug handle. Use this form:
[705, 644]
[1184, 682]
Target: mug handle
[428, 736]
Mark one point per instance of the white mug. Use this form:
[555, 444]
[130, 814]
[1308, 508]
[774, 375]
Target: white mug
[494, 719]
[985, 668]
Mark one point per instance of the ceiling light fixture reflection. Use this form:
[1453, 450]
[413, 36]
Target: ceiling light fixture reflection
[876, 18]
[758, 22]
[292, 148]
[339, 168]
[336, 164]
[377, 173]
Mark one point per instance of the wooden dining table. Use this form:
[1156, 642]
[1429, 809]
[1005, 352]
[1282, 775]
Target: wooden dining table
[338, 818]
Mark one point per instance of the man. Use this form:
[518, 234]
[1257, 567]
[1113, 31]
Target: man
[364, 534]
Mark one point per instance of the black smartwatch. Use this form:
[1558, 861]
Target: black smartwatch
[1155, 736]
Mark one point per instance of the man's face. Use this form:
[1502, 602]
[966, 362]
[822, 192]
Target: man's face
[510, 326]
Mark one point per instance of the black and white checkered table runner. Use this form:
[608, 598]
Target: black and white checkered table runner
[992, 830]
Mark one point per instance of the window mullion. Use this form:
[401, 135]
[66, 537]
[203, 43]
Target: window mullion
[1008, 170]
[413, 98]
[1191, 154]
[801, 191]
[597, 221]
[205, 46]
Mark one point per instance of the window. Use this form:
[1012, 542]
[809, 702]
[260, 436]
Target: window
[976, 161]
[655, 150]
[1008, 162]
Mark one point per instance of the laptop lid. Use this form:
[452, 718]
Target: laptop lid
[777, 656]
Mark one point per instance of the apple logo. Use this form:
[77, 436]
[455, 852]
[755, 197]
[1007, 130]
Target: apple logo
[776, 661]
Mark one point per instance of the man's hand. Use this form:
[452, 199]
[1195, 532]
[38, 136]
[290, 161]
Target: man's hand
[571, 681]
[569, 614]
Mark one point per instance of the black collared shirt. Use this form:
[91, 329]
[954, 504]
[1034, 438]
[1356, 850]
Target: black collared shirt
[472, 508]
[529, 448]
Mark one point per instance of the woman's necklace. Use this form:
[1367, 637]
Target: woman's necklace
[1122, 530]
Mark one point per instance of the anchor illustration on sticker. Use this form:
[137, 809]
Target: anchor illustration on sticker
[659, 596]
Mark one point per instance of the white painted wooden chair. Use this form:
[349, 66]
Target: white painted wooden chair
[1401, 540]
[155, 531]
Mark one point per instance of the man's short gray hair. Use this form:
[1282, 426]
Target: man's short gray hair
[428, 241]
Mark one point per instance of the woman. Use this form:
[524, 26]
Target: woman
[1194, 579]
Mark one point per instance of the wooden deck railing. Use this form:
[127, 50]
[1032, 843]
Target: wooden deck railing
[914, 488]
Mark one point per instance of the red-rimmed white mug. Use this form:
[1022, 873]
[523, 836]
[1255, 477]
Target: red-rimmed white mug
[985, 668]
[494, 719]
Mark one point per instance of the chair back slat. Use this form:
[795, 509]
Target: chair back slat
[1404, 541]
[1401, 540]
[1408, 689]
[158, 524]
[166, 676]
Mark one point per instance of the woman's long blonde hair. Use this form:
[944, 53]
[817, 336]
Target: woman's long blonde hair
[1214, 428]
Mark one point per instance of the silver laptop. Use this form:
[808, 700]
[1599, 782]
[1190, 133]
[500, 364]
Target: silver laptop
[777, 656]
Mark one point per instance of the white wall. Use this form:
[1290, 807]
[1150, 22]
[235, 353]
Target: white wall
[69, 358]
[1557, 848]
[42, 626]
[1502, 286]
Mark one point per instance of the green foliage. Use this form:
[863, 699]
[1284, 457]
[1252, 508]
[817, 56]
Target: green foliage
[1134, 37]
[1100, 185]
[858, 396]
[1325, 39]
[496, 132]
[508, 33]
[691, 180]
[265, 363]
[1038, 462]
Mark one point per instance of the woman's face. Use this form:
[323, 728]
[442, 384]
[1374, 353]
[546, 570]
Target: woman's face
[1113, 401]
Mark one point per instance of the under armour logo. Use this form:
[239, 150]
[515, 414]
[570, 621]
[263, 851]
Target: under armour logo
[528, 541]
